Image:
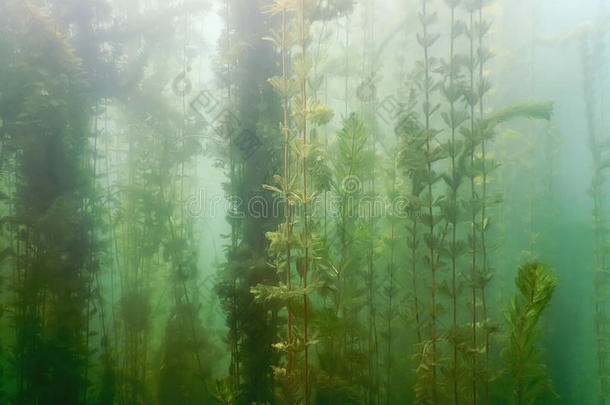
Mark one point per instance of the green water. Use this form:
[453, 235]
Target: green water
[289, 202]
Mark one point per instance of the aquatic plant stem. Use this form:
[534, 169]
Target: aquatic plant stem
[372, 340]
[305, 219]
[287, 210]
[483, 210]
[473, 196]
[453, 208]
[590, 73]
[390, 301]
[91, 258]
[430, 200]
[418, 327]
[391, 294]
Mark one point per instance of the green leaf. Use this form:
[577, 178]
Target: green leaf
[532, 110]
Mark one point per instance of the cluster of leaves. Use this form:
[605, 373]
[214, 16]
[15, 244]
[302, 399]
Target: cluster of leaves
[528, 376]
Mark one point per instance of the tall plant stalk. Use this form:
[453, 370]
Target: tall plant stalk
[600, 155]
[413, 243]
[471, 101]
[453, 120]
[453, 208]
[482, 88]
[303, 84]
[287, 207]
[368, 108]
[391, 288]
[431, 155]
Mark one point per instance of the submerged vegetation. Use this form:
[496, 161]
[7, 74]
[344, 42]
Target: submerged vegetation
[528, 378]
[291, 202]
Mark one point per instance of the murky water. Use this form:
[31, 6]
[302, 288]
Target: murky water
[304, 202]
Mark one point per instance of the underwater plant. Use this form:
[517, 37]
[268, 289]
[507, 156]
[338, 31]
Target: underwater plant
[528, 376]
[468, 132]
[592, 61]
[309, 115]
[283, 87]
[408, 130]
[351, 166]
[367, 96]
[52, 250]
[302, 76]
[451, 208]
[486, 167]
[392, 241]
[281, 240]
[252, 323]
[478, 137]
[300, 243]
[430, 154]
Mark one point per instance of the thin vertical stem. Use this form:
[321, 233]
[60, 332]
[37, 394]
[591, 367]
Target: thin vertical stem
[430, 207]
[473, 196]
[483, 207]
[305, 219]
[452, 213]
[590, 74]
[287, 210]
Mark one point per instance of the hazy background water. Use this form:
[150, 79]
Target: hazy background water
[538, 57]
